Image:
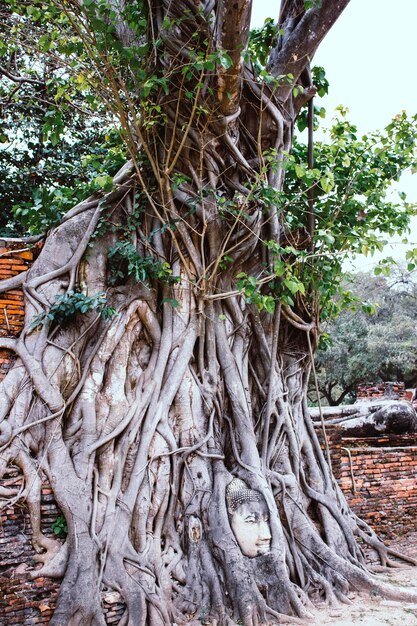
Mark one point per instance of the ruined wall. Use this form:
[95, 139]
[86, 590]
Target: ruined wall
[379, 478]
[27, 601]
[24, 600]
[379, 391]
[14, 259]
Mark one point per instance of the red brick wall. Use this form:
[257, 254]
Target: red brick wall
[23, 600]
[14, 258]
[379, 478]
[378, 390]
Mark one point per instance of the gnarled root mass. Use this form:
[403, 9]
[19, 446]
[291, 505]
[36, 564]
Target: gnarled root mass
[141, 421]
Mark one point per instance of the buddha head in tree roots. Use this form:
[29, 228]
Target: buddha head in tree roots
[249, 518]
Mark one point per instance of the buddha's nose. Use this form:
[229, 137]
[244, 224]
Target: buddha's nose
[264, 531]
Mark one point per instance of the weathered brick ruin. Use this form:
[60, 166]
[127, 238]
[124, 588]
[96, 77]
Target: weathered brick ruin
[383, 390]
[22, 600]
[377, 474]
[377, 391]
[14, 258]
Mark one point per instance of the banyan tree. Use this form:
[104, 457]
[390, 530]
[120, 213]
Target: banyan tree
[171, 319]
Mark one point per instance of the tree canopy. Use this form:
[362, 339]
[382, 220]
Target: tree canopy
[56, 139]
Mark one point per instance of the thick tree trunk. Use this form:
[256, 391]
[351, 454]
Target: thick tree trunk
[141, 422]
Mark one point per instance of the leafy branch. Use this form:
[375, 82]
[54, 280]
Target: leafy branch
[68, 305]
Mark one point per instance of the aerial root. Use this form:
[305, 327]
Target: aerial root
[54, 565]
[288, 619]
[383, 551]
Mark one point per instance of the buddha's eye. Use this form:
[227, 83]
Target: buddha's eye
[250, 520]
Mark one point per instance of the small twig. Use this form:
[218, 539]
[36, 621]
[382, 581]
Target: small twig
[11, 252]
[19, 79]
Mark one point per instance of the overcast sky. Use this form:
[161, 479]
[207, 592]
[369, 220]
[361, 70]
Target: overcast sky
[369, 58]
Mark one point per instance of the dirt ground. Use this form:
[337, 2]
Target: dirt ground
[377, 611]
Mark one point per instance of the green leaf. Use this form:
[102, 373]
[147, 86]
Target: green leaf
[291, 285]
[269, 304]
[279, 268]
[225, 60]
[104, 182]
[327, 182]
[299, 170]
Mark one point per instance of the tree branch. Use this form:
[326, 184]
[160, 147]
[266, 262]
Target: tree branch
[19, 79]
[295, 51]
[44, 388]
[22, 240]
[235, 22]
[344, 394]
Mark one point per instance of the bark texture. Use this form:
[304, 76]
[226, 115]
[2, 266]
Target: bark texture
[367, 419]
[141, 421]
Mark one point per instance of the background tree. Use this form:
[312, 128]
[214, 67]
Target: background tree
[141, 419]
[372, 340]
[57, 141]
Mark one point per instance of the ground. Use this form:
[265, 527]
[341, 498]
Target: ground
[375, 611]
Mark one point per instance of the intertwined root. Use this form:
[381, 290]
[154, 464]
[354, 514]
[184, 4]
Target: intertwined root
[139, 423]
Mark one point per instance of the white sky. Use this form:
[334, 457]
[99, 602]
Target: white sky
[369, 58]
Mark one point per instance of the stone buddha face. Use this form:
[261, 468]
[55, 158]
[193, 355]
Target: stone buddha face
[249, 518]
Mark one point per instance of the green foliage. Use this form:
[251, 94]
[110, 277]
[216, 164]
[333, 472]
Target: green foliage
[353, 203]
[65, 134]
[57, 139]
[354, 207]
[125, 261]
[261, 41]
[283, 284]
[311, 4]
[322, 86]
[60, 143]
[60, 527]
[171, 302]
[250, 289]
[411, 258]
[69, 304]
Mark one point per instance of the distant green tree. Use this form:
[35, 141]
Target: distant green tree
[370, 341]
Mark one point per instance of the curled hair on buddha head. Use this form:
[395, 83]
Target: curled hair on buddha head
[237, 493]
